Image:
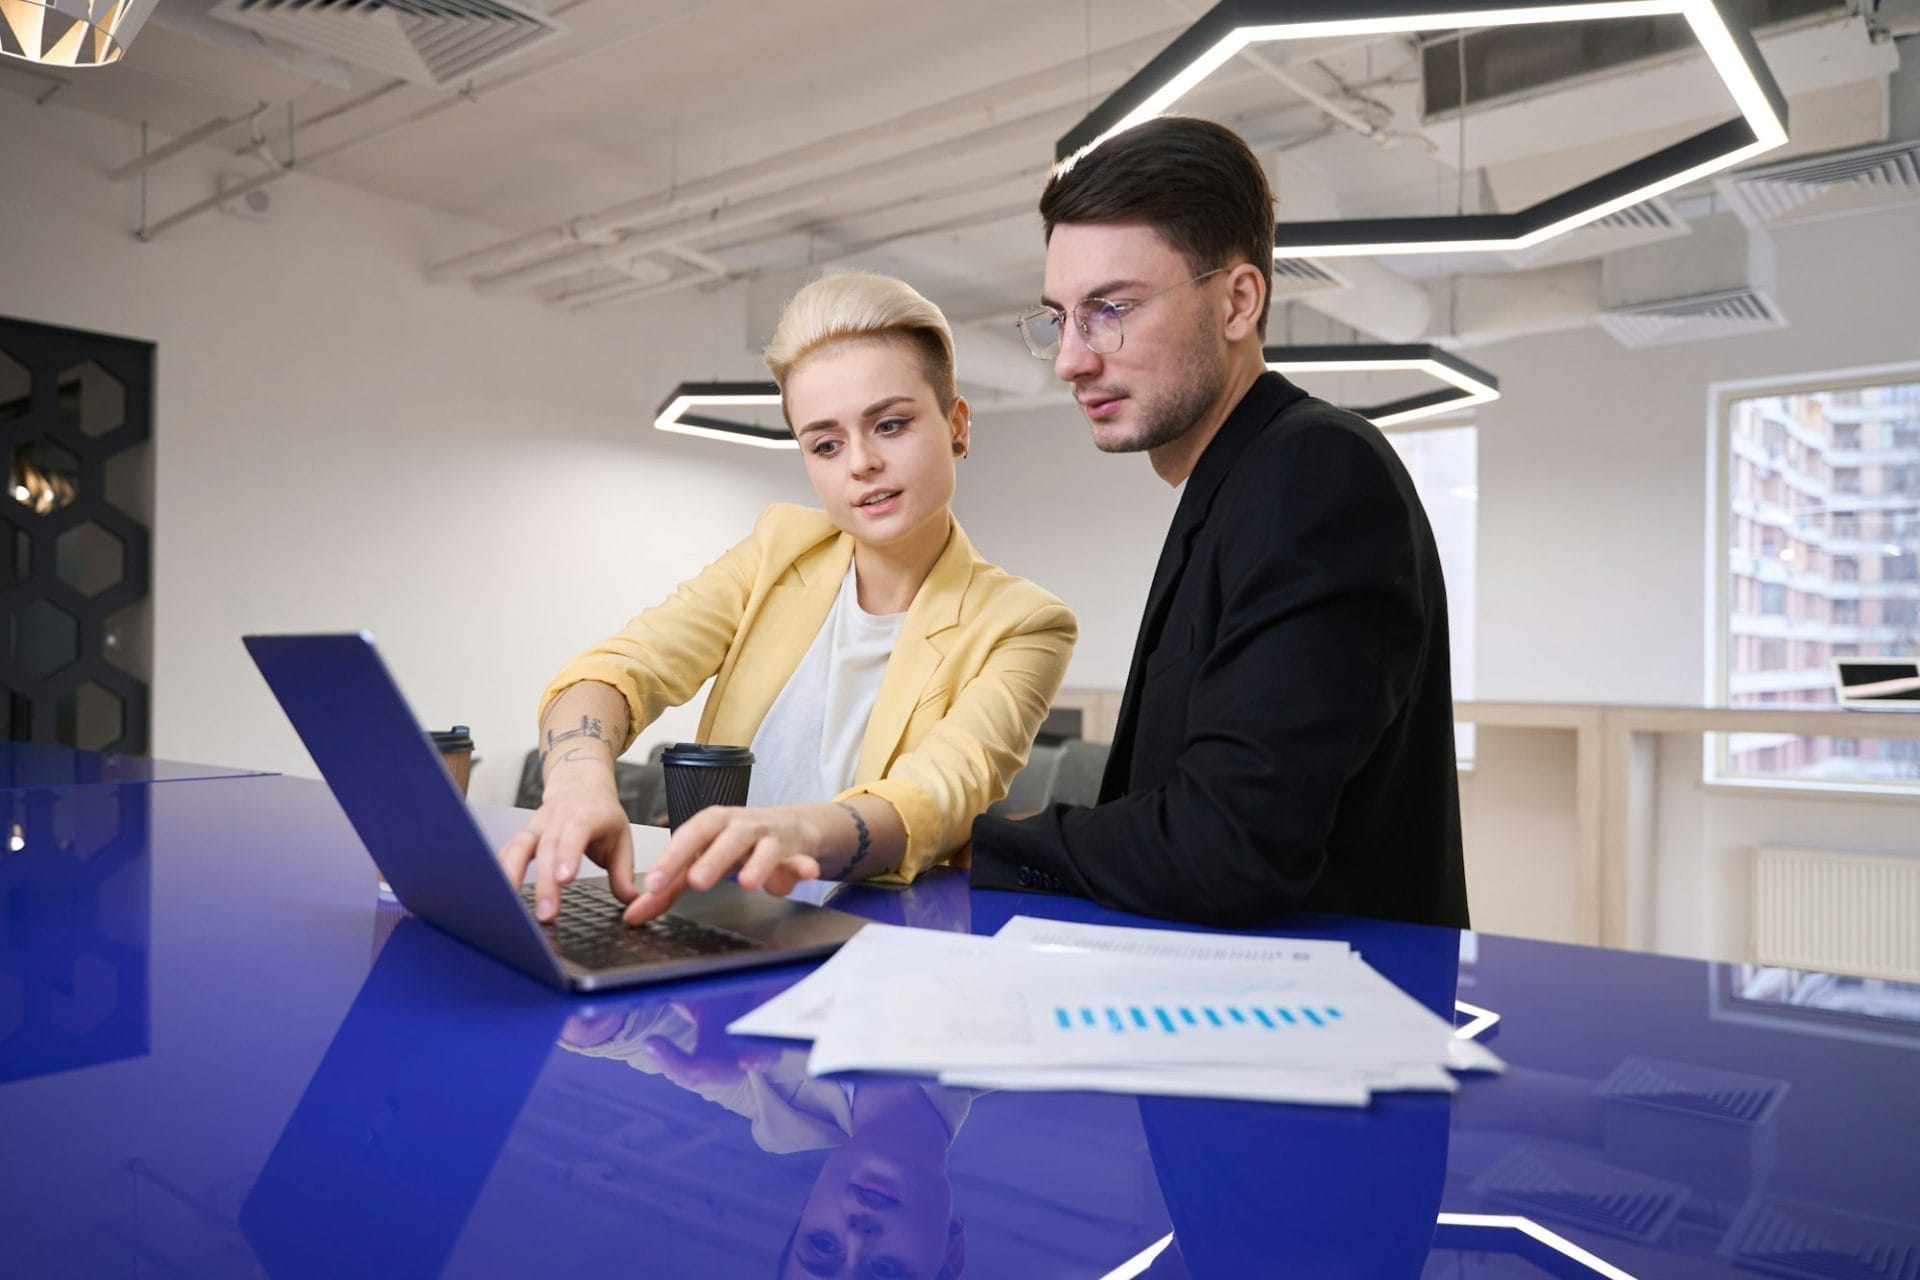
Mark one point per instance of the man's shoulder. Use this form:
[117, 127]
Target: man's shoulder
[1332, 444]
[1310, 418]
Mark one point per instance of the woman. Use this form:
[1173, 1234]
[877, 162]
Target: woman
[881, 1204]
[888, 680]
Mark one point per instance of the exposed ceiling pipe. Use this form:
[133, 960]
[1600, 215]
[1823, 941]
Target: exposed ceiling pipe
[888, 170]
[1474, 310]
[617, 291]
[471, 94]
[1465, 310]
[983, 106]
[1332, 109]
[749, 214]
[1381, 303]
[182, 142]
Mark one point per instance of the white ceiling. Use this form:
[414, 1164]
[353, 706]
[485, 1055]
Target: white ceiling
[901, 134]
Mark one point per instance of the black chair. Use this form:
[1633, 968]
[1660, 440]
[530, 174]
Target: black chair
[1076, 779]
[1031, 789]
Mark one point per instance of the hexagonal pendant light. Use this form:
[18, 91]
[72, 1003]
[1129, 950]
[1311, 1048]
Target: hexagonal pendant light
[1234, 25]
[1466, 385]
[677, 413]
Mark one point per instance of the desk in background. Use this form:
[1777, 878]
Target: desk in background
[221, 1056]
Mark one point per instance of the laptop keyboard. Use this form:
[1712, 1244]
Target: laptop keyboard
[588, 932]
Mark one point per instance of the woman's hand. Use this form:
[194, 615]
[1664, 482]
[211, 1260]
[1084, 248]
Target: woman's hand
[576, 819]
[772, 847]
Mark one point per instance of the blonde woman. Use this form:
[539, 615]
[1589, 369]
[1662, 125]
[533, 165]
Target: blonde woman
[888, 680]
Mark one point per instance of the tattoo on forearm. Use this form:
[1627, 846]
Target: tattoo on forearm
[589, 728]
[866, 839]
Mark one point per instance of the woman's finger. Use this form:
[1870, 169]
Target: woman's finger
[790, 874]
[687, 844]
[516, 853]
[764, 859]
[729, 849]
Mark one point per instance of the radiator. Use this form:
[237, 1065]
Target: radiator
[1850, 913]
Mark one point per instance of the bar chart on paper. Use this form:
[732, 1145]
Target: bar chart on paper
[1189, 1019]
[1117, 1010]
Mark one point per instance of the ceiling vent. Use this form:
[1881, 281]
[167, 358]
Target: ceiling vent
[1714, 283]
[1829, 186]
[1648, 222]
[1297, 277]
[1815, 1242]
[1711, 315]
[427, 42]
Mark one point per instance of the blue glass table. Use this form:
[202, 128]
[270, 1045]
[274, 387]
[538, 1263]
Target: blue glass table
[222, 1056]
[28, 766]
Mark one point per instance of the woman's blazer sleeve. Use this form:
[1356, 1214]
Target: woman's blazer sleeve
[964, 762]
[663, 656]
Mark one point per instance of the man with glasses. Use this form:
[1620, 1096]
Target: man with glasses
[1286, 736]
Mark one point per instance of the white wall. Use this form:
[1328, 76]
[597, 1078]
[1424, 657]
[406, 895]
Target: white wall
[339, 445]
[1594, 465]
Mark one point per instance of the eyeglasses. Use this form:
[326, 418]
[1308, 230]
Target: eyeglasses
[1097, 319]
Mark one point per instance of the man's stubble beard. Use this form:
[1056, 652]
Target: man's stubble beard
[1178, 409]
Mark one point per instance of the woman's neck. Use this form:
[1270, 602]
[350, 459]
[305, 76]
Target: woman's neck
[886, 578]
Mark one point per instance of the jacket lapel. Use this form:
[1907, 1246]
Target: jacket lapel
[917, 654]
[1269, 394]
[792, 614]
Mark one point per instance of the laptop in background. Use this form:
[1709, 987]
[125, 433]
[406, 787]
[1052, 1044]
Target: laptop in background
[1878, 684]
[387, 776]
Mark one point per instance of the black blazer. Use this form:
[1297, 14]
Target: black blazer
[1286, 738]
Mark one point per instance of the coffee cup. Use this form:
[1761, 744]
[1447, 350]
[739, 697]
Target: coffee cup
[455, 746]
[702, 774]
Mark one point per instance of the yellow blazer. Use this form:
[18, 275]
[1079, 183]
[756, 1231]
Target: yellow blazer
[979, 657]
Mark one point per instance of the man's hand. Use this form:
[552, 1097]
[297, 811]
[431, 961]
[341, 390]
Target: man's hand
[772, 848]
[583, 819]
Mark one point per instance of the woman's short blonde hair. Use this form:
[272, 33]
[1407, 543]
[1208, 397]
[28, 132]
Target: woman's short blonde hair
[856, 306]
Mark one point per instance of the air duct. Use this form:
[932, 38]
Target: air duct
[1716, 283]
[1836, 183]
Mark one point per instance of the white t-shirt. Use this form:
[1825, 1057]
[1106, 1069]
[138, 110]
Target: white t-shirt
[808, 747]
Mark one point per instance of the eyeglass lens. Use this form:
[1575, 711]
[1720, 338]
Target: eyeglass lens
[1098, 321]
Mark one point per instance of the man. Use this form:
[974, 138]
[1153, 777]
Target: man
[1286, 736]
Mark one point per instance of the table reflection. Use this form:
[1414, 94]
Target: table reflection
[75, 902]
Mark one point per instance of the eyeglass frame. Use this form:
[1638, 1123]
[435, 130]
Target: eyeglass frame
[1120, 311]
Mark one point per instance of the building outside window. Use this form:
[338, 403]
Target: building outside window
[1821, 557]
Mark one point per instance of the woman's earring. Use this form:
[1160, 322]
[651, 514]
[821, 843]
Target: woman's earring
[959, 450]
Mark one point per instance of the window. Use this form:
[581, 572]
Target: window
[1825, 566]
[1445, 465]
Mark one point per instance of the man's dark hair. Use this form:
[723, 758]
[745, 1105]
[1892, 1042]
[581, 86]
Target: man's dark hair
[1193, 181]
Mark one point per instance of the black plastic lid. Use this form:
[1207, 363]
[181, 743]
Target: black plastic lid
[458, 738]
[703, 755]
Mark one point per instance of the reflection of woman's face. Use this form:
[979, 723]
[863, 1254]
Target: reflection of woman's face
[878, 449]
[873, 1215]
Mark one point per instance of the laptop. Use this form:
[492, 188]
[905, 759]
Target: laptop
[1878, 684]
[385, 773]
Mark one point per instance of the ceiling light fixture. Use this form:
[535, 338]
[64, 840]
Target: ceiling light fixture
[1467, 385]
[71, 33]
[1233, 25]
[676, 413]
